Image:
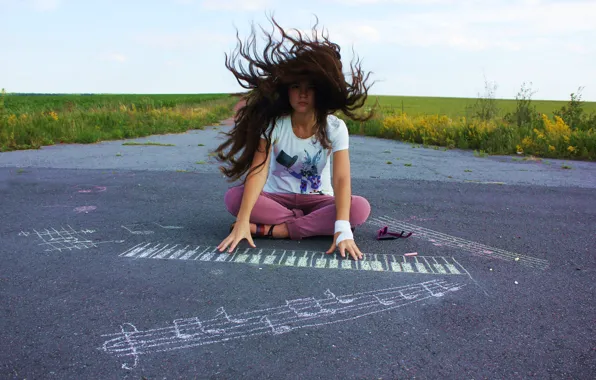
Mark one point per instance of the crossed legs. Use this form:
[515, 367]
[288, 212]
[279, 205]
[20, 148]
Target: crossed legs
[301, 215]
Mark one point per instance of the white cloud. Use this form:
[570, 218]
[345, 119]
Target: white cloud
[476, 25]
[35, 5]
[355, 33]
[114, 57]
[190, 40]
[174, 63]
[402, 2]
[578, 48]
[45, 5]
[236, 5]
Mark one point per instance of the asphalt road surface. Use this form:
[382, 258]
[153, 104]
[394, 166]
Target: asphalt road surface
[109, 270]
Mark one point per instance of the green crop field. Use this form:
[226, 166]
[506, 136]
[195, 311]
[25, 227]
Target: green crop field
[457, 107]
[19, 104]
[31, 121]
[557, 129]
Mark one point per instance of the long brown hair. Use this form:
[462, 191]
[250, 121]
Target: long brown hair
[268, 79]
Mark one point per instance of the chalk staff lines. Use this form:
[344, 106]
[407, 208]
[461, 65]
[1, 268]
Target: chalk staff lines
[294, 314]
[437, 265]
[441, 239]
[66, 239]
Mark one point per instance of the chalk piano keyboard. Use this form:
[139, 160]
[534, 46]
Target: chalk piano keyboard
[438, 265]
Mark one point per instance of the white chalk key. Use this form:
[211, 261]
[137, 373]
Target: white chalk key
[452, 269]
[440, 268]
[303, 262]
[376, 265]
[421, 268]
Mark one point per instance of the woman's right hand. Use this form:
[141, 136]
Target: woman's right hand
[240, 232]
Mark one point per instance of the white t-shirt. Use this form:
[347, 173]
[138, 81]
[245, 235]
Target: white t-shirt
[302, 166]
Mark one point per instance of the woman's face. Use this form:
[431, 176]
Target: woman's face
[302, 96]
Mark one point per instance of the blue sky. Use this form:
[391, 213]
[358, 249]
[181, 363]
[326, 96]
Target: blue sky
[413, 47]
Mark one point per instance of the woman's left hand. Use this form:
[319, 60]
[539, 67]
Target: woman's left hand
[348, 245]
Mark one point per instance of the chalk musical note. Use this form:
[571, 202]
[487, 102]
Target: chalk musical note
[276, 330]
[329, 294]
[222, 311]
[384, 302]
[186, 328]
[128, 331]
[307, 307]
[408, 296]
[438, 294]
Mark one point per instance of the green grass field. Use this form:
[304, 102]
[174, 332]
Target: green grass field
[31, 121]
[19, 104]
[458, 107]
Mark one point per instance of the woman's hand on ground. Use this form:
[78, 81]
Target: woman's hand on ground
[348, 245]
[240, 232]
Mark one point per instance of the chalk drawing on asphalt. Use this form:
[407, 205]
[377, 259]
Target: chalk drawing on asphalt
[66, 239]
[145, 228]
[312, 312]
[137, 229]
[169, 227]
[440, 239]
[434, 265]
[84, 209]
[88, 189]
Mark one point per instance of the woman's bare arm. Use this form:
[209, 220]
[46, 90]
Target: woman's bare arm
[342, 189]
[342, 186]
[254, 182]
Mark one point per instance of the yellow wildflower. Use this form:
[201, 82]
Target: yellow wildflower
[551, 148]
[12, 119]
[527, 142]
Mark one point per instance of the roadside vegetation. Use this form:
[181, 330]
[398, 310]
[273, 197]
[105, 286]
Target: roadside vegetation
[31, 121]
[487, 125]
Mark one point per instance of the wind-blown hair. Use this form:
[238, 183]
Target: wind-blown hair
[268, 79]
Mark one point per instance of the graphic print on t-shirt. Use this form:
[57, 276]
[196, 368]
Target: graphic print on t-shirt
[302, 165]
[308, 172]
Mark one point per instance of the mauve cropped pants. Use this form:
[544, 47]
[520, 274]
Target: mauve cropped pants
[304, 214]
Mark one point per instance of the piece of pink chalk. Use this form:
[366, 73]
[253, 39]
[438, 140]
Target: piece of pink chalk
[411, 254]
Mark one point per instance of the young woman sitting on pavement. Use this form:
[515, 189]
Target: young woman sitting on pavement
[283, 140]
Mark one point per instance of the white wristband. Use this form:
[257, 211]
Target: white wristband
[343, 226]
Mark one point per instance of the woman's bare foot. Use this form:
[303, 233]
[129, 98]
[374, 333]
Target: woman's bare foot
[280, 231]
